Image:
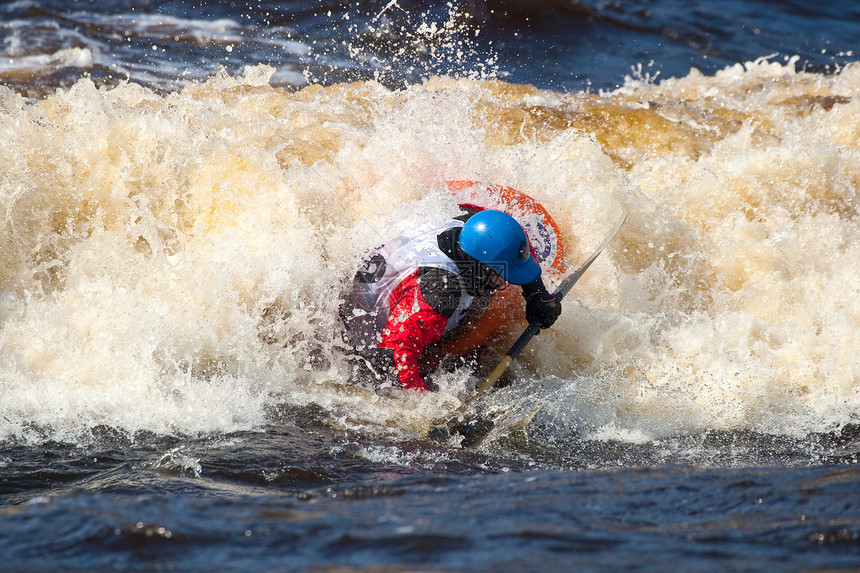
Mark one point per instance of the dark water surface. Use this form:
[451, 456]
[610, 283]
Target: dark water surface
[303, 498]
[559, 44]
[134, 477]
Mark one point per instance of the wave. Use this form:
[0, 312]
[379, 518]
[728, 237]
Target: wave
[173, 262]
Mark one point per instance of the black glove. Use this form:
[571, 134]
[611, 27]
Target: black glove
[383, 370]
[541, 306]
[378, 368]
[428, 381]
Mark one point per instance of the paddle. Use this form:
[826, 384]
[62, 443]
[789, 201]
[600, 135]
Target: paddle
[475, 430]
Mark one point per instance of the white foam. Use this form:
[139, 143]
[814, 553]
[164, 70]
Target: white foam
[173, 263]
[65, 58]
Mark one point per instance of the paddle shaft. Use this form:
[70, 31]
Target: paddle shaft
[533, 327]
[530, 331]
[506, 361]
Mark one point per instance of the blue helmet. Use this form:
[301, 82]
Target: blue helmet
[497, 240]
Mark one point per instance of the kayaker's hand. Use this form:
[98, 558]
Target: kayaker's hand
[431, 386]
[541, 306]
[543, 312]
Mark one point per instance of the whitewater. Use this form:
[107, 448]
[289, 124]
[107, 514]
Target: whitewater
[174, 263]
[187, 190]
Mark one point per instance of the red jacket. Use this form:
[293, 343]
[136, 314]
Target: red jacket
[412, 326]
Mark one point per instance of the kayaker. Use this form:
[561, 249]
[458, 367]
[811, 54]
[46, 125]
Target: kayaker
[421, 285]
